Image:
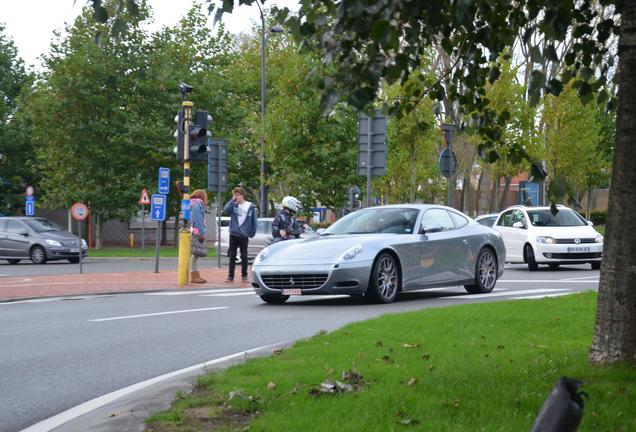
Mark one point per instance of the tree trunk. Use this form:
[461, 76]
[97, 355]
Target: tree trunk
[477, 193]
[615, 330]
[98, 231]
[462, 198]
[493, 194]
[504, 195]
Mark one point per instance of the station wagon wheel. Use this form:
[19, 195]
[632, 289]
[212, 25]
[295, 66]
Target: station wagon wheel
[13, 261]
[385, 279]
[38, 255]
[274, 298]
[486, 271]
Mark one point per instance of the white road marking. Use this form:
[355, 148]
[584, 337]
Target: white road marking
[507, 293]
[543, 296]
[93, 404]
[211, 291]
[546, 281]
[52, 299]
[579, 278]
[230, 294]
[158, 314]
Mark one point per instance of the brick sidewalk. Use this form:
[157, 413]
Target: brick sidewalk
[24, 287]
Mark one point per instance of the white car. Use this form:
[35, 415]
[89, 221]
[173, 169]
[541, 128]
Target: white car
[487, 219]
[533, 235]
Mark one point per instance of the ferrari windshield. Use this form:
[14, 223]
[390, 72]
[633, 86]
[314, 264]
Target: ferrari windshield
[379, 220]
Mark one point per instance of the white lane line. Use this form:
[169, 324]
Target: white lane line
[230, 294]
[80, 283]
[546, 281]
[580, 278]
[507, 293]
[211, 291]
[543, 296]
[93, 404]
[158, 314]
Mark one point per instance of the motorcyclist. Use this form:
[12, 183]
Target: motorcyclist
[285, 225]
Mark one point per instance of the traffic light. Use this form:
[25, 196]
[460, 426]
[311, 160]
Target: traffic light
[198, 136]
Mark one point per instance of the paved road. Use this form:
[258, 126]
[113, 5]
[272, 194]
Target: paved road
[58, 353]
[97, 265]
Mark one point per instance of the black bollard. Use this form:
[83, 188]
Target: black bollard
[563, 409]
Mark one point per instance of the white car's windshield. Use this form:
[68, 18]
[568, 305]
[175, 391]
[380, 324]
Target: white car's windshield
[564, 217]
[376, 221]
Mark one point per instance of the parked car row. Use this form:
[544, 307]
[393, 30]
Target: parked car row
[38, 240]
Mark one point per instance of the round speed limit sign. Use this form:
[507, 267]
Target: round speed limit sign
[79, 211]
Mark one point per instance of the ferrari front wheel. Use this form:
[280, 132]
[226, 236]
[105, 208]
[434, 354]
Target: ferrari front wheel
[385, 279]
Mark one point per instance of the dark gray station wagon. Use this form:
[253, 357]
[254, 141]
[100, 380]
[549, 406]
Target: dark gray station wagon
[38, 240]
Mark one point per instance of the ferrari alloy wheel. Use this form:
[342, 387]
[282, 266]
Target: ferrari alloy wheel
[385, 279]
[486, 271]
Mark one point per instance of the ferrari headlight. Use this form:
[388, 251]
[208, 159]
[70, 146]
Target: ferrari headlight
[262, 256]
[53, 242]
[599, 239]
[547, 240]
[351, 253]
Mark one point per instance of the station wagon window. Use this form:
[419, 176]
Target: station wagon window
[3, 225]
[459, 220]
[438, 217]
[14, 227]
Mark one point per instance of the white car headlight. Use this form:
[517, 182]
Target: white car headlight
[548, 240]
[53, 243]
[599, 239]
[84, 245]
[262, 256]
[351, 253]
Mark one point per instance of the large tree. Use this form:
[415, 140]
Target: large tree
[16, 153]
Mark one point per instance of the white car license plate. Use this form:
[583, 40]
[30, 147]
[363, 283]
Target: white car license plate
[581, 249]
[74, 250]
[292, 291]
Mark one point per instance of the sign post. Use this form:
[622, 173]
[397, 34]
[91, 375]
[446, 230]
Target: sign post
[29, 209]
[143, 200]
[217, 181]
[79, 212]
[158, 214]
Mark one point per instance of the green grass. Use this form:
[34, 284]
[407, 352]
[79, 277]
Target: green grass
[149, 252]
[481, 367]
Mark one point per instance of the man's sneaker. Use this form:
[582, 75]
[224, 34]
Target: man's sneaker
[229, 279]
[245, 279]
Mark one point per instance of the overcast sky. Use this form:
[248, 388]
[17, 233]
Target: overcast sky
[30, 23]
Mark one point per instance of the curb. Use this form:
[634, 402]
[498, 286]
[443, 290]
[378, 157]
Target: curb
[127, 408]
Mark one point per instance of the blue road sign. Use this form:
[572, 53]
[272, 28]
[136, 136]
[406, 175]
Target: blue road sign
[164, 181]
[30, 207]
[158, 207]
[185, 208]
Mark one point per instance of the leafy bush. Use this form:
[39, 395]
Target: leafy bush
[598, 217]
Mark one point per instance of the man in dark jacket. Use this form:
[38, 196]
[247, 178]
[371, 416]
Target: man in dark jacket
[242, 227]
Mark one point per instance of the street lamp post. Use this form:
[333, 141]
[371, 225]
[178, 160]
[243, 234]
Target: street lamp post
[263, 187]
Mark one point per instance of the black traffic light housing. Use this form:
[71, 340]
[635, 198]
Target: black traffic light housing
[197, 133]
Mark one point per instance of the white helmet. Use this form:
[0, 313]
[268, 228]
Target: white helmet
[292, 203]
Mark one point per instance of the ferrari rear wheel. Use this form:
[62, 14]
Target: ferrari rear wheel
[274, 298]
[486, 271]
[385, 279]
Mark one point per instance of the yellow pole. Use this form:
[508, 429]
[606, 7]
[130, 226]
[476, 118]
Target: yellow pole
[184, 234]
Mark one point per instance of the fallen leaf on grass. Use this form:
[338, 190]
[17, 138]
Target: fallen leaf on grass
[352, 377]
[278, 351]
[409, 422]
[426, 356]
[408, 346]
[413, 381]
[271, 386]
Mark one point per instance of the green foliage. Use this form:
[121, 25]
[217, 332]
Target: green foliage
[598, 217]
[17, 168]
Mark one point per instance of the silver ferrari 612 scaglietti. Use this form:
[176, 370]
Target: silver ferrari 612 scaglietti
[381, 251]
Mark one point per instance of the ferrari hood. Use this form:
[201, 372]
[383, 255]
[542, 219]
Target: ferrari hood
[323, 248]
